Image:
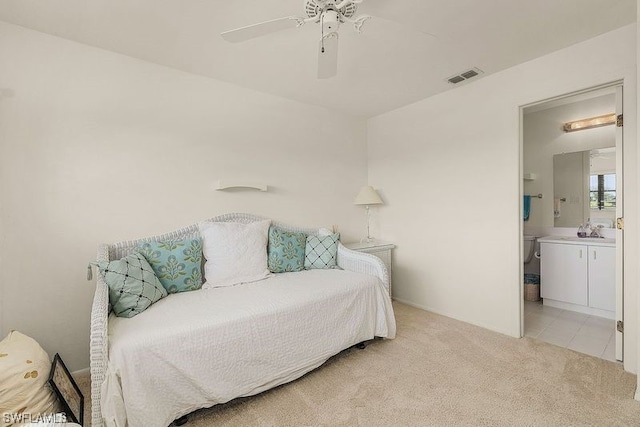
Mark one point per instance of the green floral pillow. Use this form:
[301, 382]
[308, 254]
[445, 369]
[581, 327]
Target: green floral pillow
[133, 286]
[176, 263]
[286, 250]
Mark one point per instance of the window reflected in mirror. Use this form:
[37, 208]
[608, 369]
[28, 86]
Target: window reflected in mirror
[602, 191]
[584, 187]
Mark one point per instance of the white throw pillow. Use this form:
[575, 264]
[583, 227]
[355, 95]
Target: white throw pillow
[235, 253]
[24, 371]
[323, 232]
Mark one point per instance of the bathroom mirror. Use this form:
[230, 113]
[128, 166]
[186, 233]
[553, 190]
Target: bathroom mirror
[584, 188]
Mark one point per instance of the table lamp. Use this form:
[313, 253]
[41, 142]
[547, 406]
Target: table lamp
[367, 197]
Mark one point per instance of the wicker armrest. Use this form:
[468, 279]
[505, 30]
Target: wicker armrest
[360, 262]
[98, 347]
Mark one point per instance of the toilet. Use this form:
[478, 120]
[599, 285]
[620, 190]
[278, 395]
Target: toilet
[528, 248]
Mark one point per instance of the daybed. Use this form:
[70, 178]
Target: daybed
[195, 349]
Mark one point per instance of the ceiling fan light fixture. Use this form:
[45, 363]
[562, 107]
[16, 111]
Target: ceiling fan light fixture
[330, 21]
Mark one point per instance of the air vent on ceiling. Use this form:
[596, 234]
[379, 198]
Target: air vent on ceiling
[466, 75]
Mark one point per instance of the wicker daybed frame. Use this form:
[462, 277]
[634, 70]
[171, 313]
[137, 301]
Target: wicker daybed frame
[99, 350]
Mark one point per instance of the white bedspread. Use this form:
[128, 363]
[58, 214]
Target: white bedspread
[196, 349]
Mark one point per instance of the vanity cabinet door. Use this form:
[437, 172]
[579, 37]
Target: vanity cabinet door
[563, 272]
[602, 277]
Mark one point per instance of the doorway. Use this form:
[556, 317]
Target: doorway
[573, 179]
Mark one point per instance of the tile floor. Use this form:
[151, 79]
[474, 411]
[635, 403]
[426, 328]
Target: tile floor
[576, 331]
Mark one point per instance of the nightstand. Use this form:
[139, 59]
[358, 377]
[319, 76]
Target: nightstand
[380, 249]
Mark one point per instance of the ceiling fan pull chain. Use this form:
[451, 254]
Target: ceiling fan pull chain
[322, 32]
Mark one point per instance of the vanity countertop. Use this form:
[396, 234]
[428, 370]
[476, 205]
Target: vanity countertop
[574, 240]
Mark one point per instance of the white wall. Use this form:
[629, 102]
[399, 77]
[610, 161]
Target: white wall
[543, 138]
[632, 231]
[99, 147]
[449, 169]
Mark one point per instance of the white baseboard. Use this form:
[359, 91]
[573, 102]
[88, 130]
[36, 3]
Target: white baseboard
[412, 304]
[481, 325]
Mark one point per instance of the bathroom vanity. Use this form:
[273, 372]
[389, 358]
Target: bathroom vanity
[579, 274]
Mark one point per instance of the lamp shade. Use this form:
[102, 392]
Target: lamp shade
[368, 196]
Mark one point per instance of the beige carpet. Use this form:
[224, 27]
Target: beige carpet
[440, 371]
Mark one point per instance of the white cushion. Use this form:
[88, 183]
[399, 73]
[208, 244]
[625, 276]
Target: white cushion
[24, 372]
[235, 253]
[323, 232]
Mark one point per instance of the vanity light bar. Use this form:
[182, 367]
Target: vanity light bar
[593, 122]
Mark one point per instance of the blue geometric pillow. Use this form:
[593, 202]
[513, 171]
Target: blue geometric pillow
[285, 250]
[133, 286]
[177, 263]
[321, 252]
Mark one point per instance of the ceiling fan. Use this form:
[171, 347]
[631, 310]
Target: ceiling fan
[328, 13]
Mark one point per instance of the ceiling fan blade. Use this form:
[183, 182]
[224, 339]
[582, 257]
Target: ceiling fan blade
[261, 29]
[328, 56]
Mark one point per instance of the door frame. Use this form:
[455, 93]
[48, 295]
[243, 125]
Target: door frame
[619, 214]
[619, 144]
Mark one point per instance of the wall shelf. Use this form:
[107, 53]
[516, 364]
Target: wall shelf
[529, 176]
[232, 185]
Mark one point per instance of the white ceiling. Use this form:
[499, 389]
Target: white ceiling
[393, 63]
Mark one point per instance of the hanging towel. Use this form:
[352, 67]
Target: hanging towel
[556, 207]
[527, 208]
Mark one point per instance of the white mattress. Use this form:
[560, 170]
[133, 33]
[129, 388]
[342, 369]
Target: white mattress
[196, 349]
